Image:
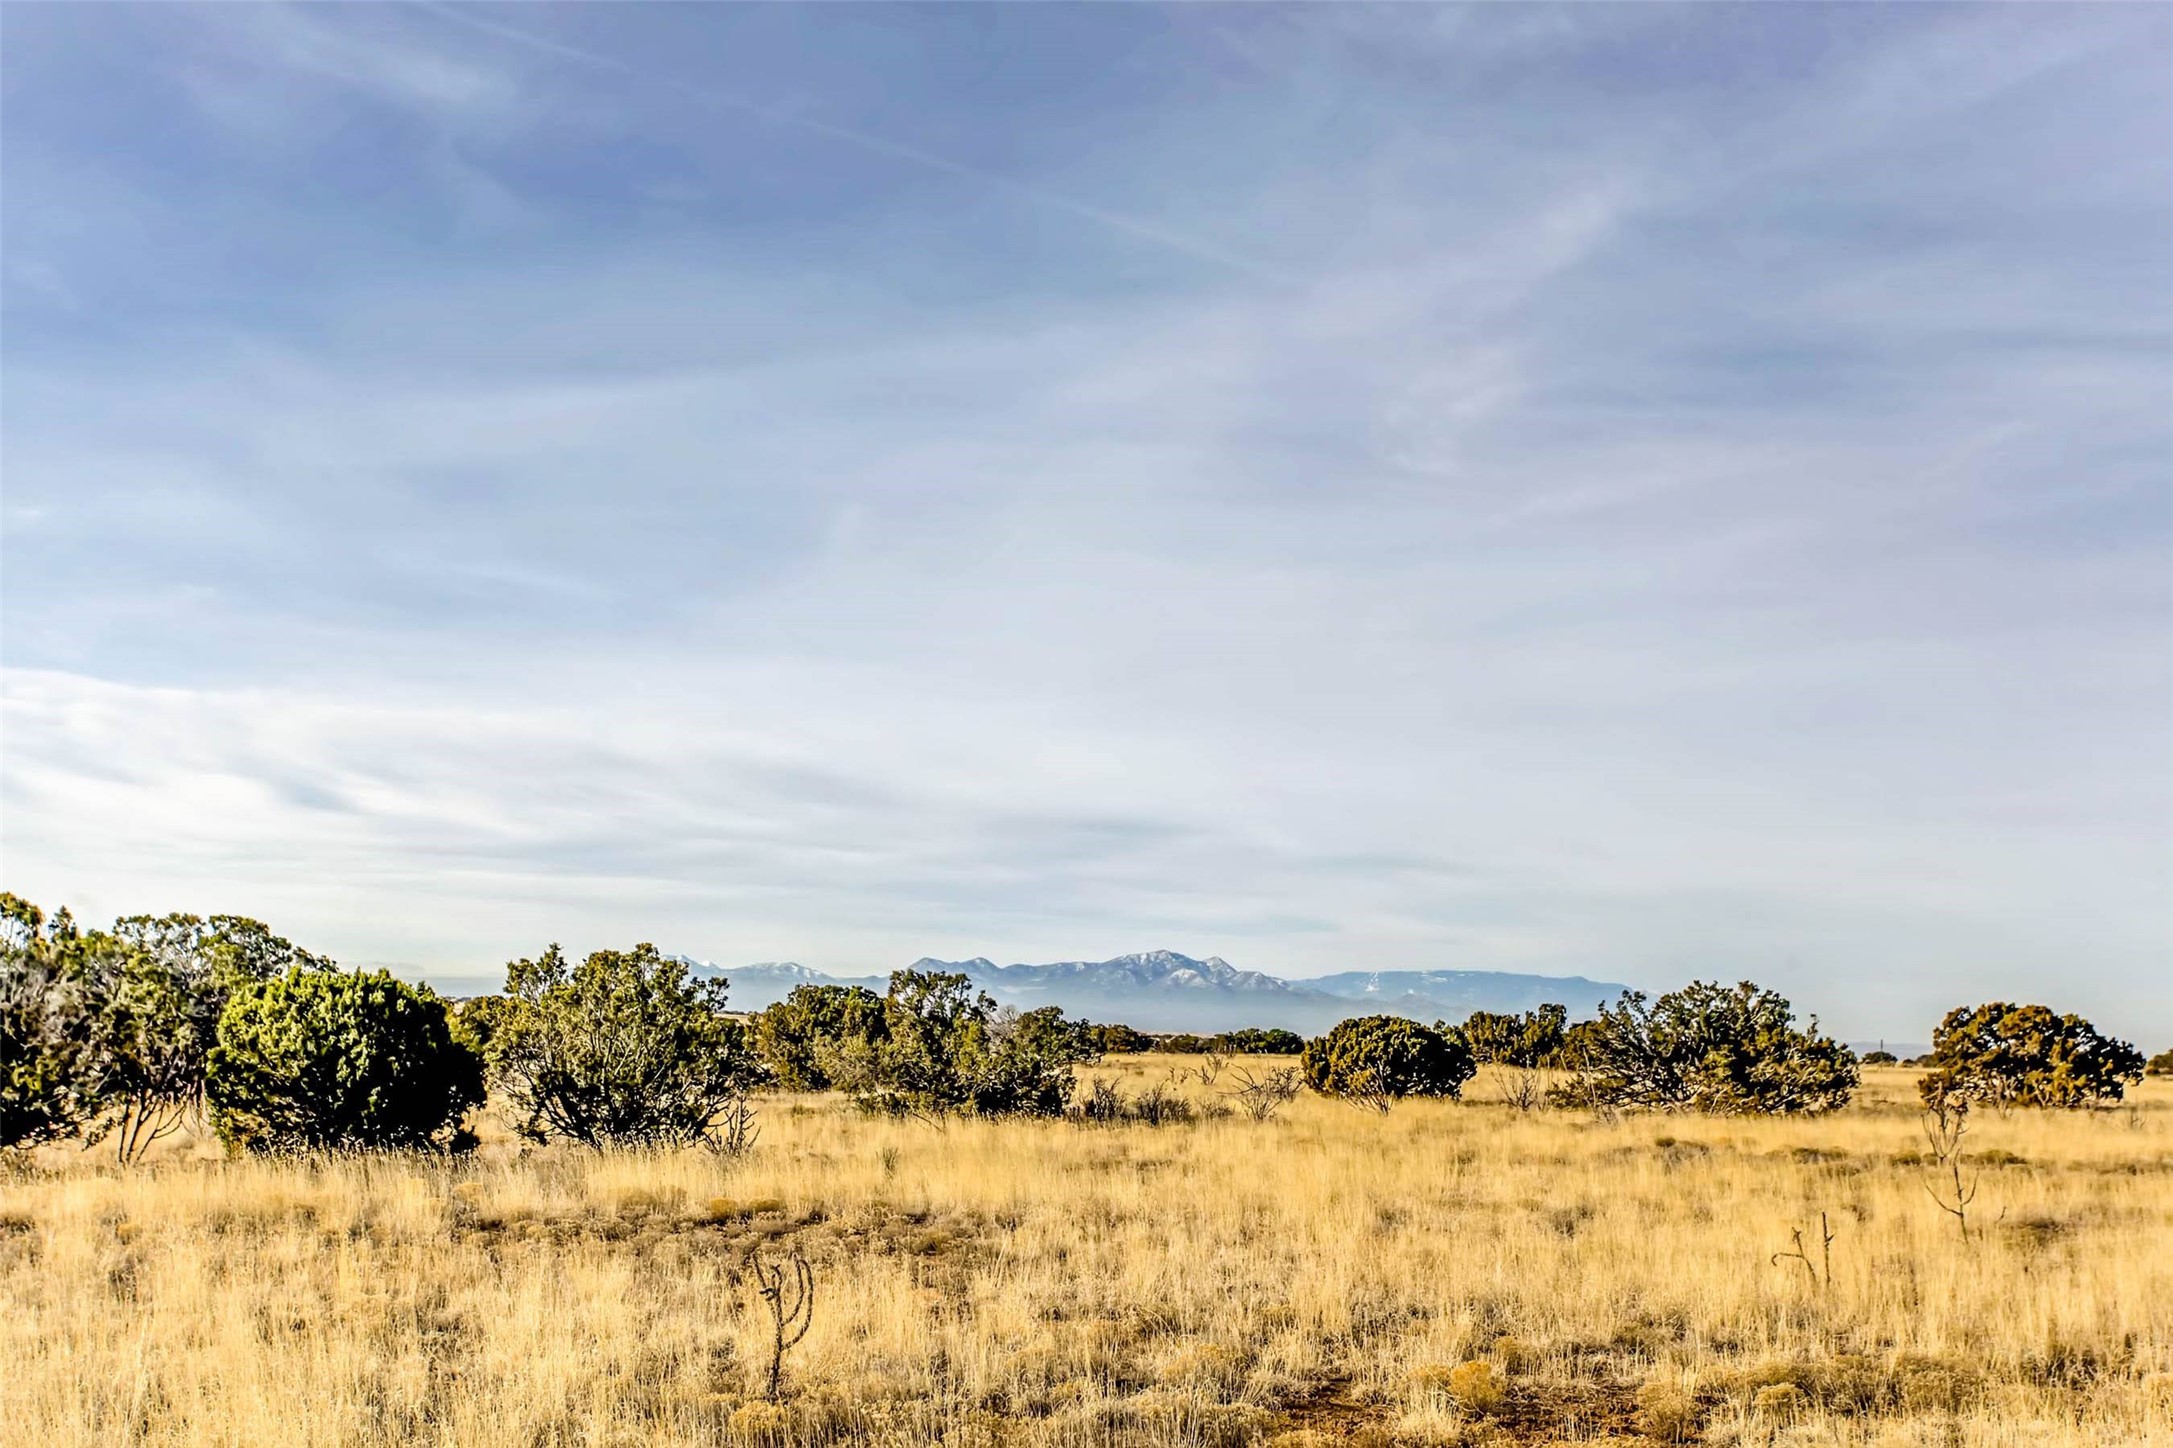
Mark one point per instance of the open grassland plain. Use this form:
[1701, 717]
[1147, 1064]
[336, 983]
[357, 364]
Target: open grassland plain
[1445, 1273]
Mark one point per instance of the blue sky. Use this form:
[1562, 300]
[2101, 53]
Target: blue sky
[1635, 491]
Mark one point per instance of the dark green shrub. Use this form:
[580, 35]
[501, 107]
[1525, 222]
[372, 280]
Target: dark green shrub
[478, 1020]
[945, 1050]
[108, 1033]
[54, 982]
[1709, 1048]
[623, 1049]
[228, 949]
[795, 1033]
[2160, 1064]
[1118, 1040]
[161, 1017]
[1248, 1041]
[1028, 1068]
[1260, 1041]
[1579, 1042]
[934, 1039]
[1386, 1057]
[2010, 1055]
[317, 1059]
[1881, 1058]
[1530, 1040]
[1044, 1034]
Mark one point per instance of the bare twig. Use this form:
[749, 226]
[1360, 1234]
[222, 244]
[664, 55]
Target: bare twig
[787, 1288]
[734, 1133]
[1521, 1087]
[1211, 1069]
[1946, 1122]
[1260, 1097]
[142, 1122]
[1367, 1090]
[1822, 1280]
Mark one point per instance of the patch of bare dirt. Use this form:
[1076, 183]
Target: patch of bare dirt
[1331, 1414]
[1530, 1414]
[1547, 1412]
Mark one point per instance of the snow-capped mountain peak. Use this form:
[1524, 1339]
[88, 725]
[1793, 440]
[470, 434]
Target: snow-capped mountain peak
[1167, 990]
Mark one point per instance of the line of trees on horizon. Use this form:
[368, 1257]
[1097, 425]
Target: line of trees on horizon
[129, 1033]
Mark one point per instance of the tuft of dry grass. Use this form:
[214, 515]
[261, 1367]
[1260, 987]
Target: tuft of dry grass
[1449, 1273]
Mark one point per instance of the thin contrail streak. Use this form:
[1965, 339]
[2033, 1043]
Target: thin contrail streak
[879, 145]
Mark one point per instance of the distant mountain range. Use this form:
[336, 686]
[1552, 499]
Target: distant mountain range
[1161, 990]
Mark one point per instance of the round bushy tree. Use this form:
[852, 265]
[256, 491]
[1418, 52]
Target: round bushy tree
[795, 1034]
[1261, 1041]
[2010, 1055]
[623, 1049]
[1708, 1047]
[161, 1016]
[1385, 1057]
[946, 1049]
[1530, 1040]
[54, 982]
[1025, 1062]
[316, 1059]
[1118, 1039]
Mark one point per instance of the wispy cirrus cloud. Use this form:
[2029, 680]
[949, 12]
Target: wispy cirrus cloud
[1604, 514]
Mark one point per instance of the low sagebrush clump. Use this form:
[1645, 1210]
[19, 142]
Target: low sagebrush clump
[325, 1060]
[1379, 1059]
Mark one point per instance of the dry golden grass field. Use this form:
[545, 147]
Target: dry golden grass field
[1449, 1273]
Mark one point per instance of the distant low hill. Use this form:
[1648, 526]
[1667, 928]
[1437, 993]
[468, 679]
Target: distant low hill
[1161, 990]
